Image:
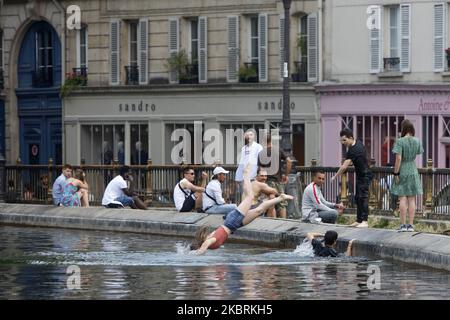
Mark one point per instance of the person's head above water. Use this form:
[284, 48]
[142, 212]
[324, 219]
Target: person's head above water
[330, 237]
[200, 236]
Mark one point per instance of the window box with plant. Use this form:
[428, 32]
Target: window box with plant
[73, 80]
[249, 72]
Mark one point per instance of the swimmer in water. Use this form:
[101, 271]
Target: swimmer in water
[235, 219]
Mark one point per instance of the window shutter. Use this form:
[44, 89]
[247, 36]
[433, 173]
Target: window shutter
[262, 50]
[143, 51]
[313, 52]
[439, 37]
[281, 42]
[405, 36]
[375, 47]
[203, 50]
[173, 46]
[233, 49]
[114, 51]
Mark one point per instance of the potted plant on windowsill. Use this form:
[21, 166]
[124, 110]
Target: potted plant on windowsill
[73, 80]
[248, 74]
[447, 52]
[178, 63]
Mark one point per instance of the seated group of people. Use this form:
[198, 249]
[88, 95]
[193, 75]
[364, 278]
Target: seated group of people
[71, 191]
[209, 199]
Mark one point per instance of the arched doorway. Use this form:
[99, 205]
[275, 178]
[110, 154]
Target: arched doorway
[38, 100]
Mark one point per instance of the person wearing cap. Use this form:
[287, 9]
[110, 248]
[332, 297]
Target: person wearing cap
[213, 201]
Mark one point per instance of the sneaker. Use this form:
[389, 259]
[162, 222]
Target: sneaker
[363, 224]
[354, 224]
[402, 228]
[410, 228]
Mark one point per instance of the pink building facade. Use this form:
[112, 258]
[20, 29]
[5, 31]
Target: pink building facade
[374, 113]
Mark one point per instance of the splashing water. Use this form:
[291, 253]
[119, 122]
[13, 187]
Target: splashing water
[182, 248]
[304, 249]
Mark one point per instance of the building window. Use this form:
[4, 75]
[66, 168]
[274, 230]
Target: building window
[254, 40]
[447, 156]
[392, 61]
[82, 48]
[185, 143]
[301, 65]
[103, 143]
[132, 71]
[139, 143]
[194, 41]
[430, 139]
[377, 133]
[43, 76]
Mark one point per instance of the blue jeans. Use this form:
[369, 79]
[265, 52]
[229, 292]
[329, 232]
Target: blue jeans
[328, 216]
[221, 208]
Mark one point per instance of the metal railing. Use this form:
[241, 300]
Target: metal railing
[391, 64]
[132, 75]
[301, 71]
[155, 184]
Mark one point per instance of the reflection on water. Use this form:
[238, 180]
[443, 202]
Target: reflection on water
[33, 264]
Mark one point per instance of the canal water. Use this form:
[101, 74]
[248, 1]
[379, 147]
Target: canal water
[43, 263]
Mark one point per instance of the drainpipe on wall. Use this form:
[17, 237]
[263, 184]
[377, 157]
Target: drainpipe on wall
[63, 71]
[320, 9]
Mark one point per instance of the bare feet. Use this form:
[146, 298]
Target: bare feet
[286, 197]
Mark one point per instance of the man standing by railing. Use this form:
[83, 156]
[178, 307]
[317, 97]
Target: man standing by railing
[60, 183]
[357, 156]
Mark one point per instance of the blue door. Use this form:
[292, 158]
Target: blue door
[39, 104]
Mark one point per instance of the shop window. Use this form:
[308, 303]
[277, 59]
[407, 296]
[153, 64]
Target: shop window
[139, 144]
[430, 139]
[102, 144]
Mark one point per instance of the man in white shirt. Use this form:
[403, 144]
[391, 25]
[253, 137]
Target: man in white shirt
[213, 202]
[186, 195]
[118, 194]
[249, 154]
[314, 206]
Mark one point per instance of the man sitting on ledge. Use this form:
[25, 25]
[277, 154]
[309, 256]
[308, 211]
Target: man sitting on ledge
[118, 194]
[314, 206]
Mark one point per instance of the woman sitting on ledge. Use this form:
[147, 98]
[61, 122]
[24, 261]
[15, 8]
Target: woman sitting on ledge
[75, 192]
[235, 219]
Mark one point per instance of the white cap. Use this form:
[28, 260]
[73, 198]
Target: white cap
[219, 170]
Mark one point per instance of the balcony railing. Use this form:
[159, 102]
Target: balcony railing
[43, 78]
[81, 74]
[249, 72]
[132, 73]
[191, 75]
[301, 71]
[391, 64]
[1, 79]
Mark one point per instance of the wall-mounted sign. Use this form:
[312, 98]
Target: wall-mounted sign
[137, 107]
[273, 105]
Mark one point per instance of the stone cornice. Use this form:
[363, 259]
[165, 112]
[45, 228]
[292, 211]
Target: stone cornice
[381, 89]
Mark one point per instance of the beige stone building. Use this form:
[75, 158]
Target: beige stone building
[125, 97]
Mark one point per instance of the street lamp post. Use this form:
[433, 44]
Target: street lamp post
[293, 210]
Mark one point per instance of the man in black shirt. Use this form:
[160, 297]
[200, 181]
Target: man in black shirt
[356, 155]
[326, 248]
